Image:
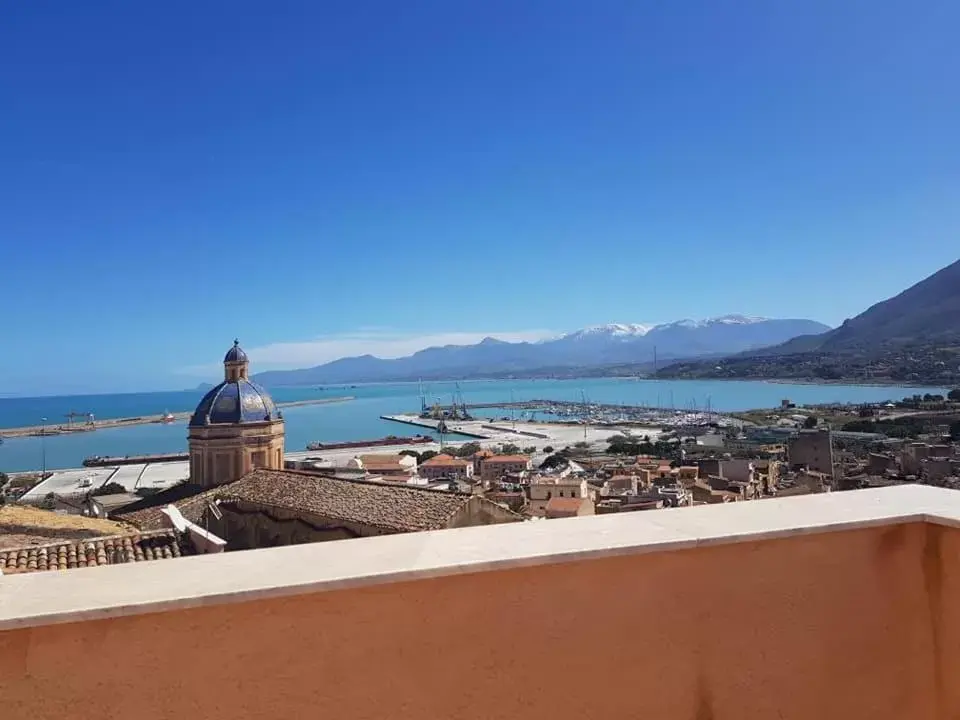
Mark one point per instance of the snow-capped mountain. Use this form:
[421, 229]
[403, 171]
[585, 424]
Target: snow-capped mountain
[722, 320]
[611, 344]
[612, 330]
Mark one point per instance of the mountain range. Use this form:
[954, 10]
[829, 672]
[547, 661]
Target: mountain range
[913, 336]
[613, 344]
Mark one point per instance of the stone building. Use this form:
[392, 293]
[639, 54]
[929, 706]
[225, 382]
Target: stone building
[544, 488]
[445, 467]
[494, 467]
[236, 427]
[559, 507]
[812, 449]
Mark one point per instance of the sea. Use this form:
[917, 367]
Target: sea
[359, 418]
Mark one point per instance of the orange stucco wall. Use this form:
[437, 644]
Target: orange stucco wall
[858, 624]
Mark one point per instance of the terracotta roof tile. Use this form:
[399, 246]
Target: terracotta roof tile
[379, 458]
[506, 459]
[93, 552]
[444, 460]
[564, 507]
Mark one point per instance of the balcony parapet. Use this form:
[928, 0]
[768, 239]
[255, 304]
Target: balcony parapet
[122, 590]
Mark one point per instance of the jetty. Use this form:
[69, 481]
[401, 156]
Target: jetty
[110, 461]
[433, 425]
[162, 418]
[382, 442]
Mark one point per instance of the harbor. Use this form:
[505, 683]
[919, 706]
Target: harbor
[311, 417]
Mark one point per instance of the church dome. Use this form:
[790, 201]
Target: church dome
[235, 354]
[237, 399]
[236, 402]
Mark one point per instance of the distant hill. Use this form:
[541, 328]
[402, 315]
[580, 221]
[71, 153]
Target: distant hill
[595, 347]
[925, 313]
[914, 336]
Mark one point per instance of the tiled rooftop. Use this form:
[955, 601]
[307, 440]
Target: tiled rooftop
[114, 550]
[22, 526]
[563, 507]
[444, 460]
[394, 508]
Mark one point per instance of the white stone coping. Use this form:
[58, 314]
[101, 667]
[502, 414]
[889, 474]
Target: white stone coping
[41, 598]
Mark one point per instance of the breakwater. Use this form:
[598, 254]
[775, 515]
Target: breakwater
[161, 419]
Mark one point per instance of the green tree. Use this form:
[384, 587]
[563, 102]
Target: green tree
[508, 449]
[954, 395]
[427, 454]
[810, 422]
[552, 461]
[467, 449]
[4, 479]
[955, 431]
[110, 488]
[548, 450]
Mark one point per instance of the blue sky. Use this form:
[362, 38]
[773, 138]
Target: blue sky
[331, 178]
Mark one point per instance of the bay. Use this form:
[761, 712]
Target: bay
[358, 419]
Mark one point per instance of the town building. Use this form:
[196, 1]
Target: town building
[812, 449]
[914, 454]
[398, 468]
[478, 457]
[445, 467]
[544, 488]
[235, 428]
[494, 467]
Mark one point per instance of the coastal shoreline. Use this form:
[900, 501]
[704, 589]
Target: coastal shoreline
[807, 381]
[44, 430]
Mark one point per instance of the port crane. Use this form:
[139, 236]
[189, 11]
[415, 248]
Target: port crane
[72, 415]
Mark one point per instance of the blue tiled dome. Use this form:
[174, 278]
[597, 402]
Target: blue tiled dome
[235, 354]
[235, 402]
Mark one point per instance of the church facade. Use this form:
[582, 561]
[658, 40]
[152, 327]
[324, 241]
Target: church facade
[236, 427]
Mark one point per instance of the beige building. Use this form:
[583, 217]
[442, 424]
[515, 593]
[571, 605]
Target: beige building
[236, 427]
[495, 467]
[543, 489]
[569, 507]
[442, 467]
[387, 467]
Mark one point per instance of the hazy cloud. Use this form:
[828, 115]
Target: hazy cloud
[380, 342]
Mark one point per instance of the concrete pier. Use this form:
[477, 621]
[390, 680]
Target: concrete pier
[453, 427]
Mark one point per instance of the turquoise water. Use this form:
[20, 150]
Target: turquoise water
[358, 419]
